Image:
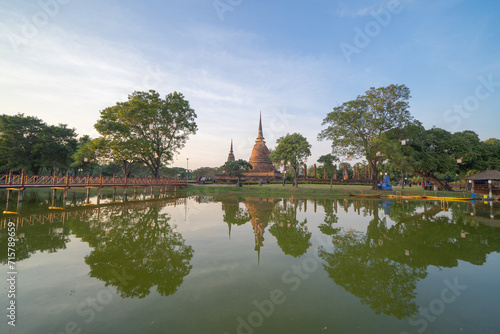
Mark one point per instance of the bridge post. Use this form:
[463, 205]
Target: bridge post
[19, 202]
[20, 196]
[9, 194]
[22, 178]
[10, 177]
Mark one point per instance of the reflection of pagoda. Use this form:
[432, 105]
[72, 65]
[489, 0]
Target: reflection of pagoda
[262, 167]
[260, 211]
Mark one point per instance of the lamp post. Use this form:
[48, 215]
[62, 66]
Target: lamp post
[187, 170]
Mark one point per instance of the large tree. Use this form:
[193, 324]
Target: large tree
[292, 149]
[55, 147]
[328, 164]
[427, 153]
[84, 158]
[237, 168]
[147, 128]
[28, 143]
[359, 128]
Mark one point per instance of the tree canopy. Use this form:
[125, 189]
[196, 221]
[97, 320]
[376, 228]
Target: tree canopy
[328, 164]
[237, 168]
[359, 128]
[292, 149]
[28, 143]
[147, 128]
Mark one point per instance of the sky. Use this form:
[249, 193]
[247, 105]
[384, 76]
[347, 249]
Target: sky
[64, 61]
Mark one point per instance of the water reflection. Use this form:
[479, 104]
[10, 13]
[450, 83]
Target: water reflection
[134, 246]
[291, 234]
[378, 250]
[383, 265]
[141, 245]
[40, 238]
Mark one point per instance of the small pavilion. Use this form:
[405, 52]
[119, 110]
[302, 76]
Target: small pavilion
[482, 182]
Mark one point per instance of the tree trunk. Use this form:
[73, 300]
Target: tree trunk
[442, 185]
[331, 182]
[295, 183]
[374, 171]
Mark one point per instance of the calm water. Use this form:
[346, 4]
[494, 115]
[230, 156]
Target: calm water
[253, 265]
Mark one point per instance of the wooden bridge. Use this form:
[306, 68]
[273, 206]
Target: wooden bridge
[14, 182]
[54, 181]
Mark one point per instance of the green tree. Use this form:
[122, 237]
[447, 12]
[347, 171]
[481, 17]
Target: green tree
[327, 160]
[292, 148]
[208, 172]
[55, 147]
[292, 235]
[237, 168]
[19, 135]
[147, 129]
[28, 143]
[360, 127]
[427, 153]
[84, 158]
[491, 151]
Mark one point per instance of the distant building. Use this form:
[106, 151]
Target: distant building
[263, 168]
[230, 157]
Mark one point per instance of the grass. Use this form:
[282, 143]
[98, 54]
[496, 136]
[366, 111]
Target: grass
[311, 190]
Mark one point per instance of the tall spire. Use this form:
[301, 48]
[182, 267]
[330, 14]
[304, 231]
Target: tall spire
[260, 136]
[231, 157]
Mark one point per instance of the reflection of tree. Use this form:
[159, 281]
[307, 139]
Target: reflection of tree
[331, 219]
[292, 235]
[385, 285]
[143, 248]
[40, 238]
[383, 266]
[233, 214]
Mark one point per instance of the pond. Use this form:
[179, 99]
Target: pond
[201, 264]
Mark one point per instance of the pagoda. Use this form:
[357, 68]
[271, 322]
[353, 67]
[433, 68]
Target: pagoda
[230, 157]
[263, 168]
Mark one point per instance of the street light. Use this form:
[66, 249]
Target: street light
[187, 170]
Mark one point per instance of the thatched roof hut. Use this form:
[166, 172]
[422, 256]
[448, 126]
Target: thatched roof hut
[489, 174]
[485, 180]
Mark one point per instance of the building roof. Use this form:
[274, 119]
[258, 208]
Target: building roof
[489, 174]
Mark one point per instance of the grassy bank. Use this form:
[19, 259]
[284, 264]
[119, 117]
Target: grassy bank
[311, 190]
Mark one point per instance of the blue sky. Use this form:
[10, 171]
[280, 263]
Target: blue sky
[65, 60]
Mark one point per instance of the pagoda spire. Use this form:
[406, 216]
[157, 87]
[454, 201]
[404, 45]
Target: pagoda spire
[260, 136]
[231, 157]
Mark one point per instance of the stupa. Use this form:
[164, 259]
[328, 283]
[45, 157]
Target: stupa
[263, 168]
[230, 157]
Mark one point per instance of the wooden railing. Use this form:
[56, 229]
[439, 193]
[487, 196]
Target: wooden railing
[39, 181]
